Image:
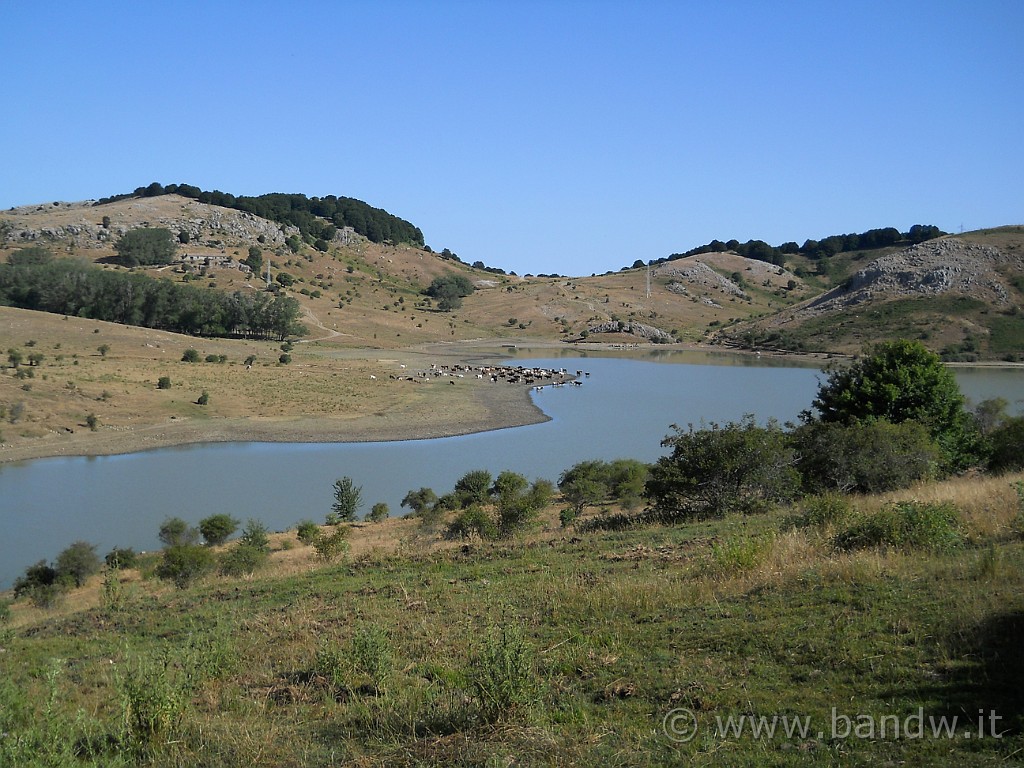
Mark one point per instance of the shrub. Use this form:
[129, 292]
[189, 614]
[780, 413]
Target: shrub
[190, 356]
[184, 564]
[285, 358]
[824, 510]
[740, 466]
[503, 677]
[255, 535]
[1007, 446]
[472, 521]
[204, 398]
[152, 704]
[307, 531]
[121, 558]
[174, 531]
[740, 553]
[242, 560]
[5, 611]
[39, 584]
[372, 655]
[77, 563]
[164, 382]
[474, 487]
[331, 546]
[865, 457]
[216, 529]
[906, 525]
[378, 512]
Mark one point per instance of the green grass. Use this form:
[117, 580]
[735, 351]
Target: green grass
[569, 651]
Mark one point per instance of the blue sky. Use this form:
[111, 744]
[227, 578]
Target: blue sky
[561, 136]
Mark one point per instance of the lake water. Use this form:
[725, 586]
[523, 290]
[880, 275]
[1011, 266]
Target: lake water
[623, 409]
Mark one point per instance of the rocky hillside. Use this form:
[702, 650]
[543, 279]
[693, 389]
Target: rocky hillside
[963, 295]
[959, 294]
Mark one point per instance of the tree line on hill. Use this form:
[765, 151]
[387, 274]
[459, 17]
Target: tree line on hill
[816, 250]
[33, 279]
[317, 218]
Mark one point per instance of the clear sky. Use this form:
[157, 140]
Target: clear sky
[560, 136]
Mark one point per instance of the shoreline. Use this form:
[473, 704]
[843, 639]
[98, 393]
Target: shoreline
[500, 408]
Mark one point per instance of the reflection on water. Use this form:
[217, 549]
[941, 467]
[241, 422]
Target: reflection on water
[623, 409]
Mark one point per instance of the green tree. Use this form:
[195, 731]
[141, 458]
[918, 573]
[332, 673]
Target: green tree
[584, 484]
[474, 487]
[449, 290]
[40, 584]
[347, 498]
[15, 357]
[216, 529]
[255, 535]
[255, 259]
[901, 381]
[736, 467]
[174, 532]
[77, 562]
[145, 247]
[378, 512]
[420, 501]
[190, 355]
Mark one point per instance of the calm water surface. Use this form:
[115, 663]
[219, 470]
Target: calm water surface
[623, 409]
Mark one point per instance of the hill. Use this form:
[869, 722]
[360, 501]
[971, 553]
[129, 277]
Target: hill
[651, 645]
[961, 295]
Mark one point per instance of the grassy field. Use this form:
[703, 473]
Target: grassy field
[643, 646]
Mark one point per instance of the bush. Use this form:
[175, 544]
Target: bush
[503, 676]
[174, 531]
[472, 521]
[824, 510]
[204, 398]
[1006, 453]
[121, 558]
[330, 546]
[184, 564]
[870, 457]
[164, 382]
[77, 563]
[372, 656]
[242, 560]
[216, 529]
[190, 356]
[255, 535]
[740, 466]
[906, 525]
[474, 487]
[39, 584]
[284, 359]
[378, 512]
[307, 531]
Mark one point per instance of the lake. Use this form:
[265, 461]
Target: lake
[623, 409]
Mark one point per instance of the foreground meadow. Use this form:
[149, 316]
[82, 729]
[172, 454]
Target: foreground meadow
[748, 640]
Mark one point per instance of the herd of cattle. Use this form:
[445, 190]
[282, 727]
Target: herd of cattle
[538, 378]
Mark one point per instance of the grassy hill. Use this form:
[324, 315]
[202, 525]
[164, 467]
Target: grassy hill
[565, 647]
[366, 314]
